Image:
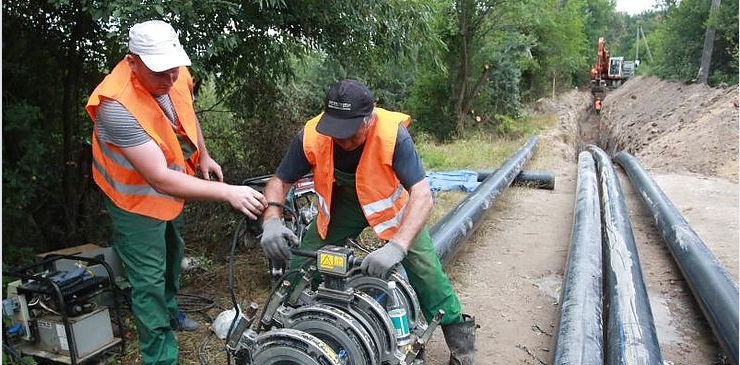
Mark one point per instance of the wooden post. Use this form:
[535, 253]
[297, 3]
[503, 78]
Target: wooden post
[553, 86]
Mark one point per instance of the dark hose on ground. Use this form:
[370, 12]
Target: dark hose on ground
[580, 337]
[630, 330]
[530, 178]
[709, 281]
[455, 227]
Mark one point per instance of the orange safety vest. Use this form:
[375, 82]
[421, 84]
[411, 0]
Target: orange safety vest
[112, 172]
[379, 191]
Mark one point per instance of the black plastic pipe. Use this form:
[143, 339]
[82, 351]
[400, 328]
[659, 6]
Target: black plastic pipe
[530, 178]
[630, 330]
[580, 337]
[455, 227]
[709, 281]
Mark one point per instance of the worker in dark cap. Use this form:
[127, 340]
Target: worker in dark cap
[367, 172]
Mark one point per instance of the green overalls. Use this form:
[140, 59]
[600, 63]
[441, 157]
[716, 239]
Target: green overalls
[422, 265]
[151, 251]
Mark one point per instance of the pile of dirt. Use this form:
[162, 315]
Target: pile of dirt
[673, 127]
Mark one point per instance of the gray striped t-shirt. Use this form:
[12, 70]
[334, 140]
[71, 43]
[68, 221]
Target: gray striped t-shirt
[116, 125]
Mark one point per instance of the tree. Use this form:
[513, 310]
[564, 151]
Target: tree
[680, 40]
[56, 51]
[706, 54]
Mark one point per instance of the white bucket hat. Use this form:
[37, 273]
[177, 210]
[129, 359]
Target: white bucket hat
[156, 43]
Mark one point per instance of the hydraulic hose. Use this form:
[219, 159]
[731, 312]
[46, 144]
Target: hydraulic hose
[709, 281]
[580, 337]
[455, 227]
[630, 329]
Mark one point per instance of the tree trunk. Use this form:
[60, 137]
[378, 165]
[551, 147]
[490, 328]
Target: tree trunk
[706, 54]
[72, 183]
[462, 77]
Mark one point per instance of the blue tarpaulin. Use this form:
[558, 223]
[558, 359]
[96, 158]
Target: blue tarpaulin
[462, 180]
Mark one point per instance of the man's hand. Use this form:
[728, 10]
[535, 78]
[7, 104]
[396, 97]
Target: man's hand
[208, 166]
[275, 237]
[246, 200]
[380, 261]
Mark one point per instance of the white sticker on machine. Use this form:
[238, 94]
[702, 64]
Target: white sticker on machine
[62, 337]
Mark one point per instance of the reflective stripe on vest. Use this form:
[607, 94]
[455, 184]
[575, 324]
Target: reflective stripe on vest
[324, 208]
[394, 222]
[383, 204]
[131, 189]
[123, 162]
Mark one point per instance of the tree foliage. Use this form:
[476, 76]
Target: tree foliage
[56, 52]
[498, 53]
[262, 67]
[679, 41]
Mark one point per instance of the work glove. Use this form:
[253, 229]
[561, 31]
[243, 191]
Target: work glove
[380, 261]
[275, 238]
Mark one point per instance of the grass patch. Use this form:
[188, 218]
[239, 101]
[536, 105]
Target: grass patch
[478, 151]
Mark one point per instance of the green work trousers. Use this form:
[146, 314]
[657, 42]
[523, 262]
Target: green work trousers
[422, 265]
[151, 251]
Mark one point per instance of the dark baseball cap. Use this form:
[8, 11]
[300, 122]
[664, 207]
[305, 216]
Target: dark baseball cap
[346, 104]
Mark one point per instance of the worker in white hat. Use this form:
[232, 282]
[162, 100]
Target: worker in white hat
[147, 151]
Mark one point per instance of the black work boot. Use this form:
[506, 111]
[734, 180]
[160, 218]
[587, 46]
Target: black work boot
[460, 338]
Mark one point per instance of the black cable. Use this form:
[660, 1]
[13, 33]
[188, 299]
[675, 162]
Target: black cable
[14, 353]
[190, 303]
[202, 348]
[274, 290]
[232, 254]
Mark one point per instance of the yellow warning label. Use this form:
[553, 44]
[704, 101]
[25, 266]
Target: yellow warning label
[331, 262]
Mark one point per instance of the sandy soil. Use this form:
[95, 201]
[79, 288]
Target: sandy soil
[509, 275]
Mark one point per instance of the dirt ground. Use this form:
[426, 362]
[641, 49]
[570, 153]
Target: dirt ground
[509, 275]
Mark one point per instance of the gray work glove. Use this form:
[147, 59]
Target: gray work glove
[275, 238]
[380, 261]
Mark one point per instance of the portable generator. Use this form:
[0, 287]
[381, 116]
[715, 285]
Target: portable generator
[63, 315]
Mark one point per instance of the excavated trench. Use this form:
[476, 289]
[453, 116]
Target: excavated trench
[679, 318]
[593, 129]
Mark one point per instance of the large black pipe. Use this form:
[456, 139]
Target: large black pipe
[580, 337]
[455, 227]
[709, 281]
[533, 178]
[630, 330]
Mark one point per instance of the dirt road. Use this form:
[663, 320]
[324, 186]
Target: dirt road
[509, 274]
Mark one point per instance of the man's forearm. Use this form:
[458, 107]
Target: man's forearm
[416, 214]
[275, 191]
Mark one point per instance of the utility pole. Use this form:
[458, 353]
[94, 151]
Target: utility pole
[650, 55]
[637, 44]
[706, 54]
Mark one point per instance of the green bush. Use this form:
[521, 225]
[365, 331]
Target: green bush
[430, 106]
